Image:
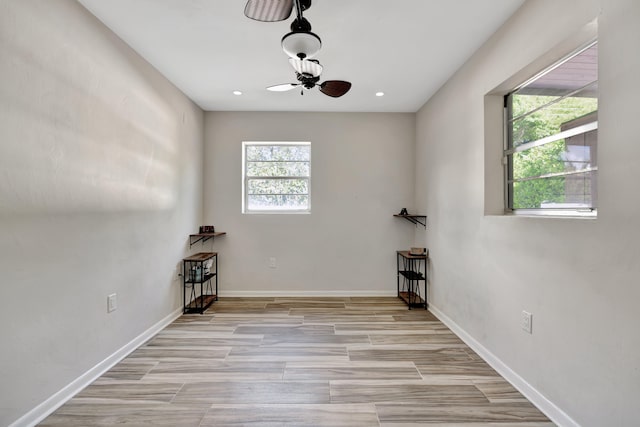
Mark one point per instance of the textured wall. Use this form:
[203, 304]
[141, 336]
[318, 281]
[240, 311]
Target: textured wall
[361, 174]
[100, 184]
[579, 277]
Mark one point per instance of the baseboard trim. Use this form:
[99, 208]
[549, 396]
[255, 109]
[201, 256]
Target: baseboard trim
[298, 294]
[555, 414]
[47, 407]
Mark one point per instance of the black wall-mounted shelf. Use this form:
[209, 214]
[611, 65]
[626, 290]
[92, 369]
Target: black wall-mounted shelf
[415, 219]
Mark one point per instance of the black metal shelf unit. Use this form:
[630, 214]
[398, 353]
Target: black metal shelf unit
[412, 275]
[194, 273]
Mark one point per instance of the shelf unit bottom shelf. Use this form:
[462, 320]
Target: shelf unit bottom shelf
[412, 299]
[200, 304]
[412, 275]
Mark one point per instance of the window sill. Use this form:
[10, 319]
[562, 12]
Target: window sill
[277, 213]
[569, 214]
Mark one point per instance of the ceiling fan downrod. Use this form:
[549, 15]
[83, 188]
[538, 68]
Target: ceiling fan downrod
[301, 42]
[302, 5]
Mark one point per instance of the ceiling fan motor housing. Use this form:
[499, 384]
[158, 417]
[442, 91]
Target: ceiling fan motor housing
[307, 80]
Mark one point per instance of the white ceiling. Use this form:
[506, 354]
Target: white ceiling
[208, 48]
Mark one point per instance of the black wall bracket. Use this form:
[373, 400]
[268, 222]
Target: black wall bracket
[415, 219]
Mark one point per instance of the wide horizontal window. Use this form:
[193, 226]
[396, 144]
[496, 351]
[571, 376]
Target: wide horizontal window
[276, 177]
[552, 138]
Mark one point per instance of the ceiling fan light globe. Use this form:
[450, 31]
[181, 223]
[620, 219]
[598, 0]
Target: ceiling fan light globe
[301, 44]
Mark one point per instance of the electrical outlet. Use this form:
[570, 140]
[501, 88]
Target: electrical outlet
[112, 303]
[526, 321]
[272, 262]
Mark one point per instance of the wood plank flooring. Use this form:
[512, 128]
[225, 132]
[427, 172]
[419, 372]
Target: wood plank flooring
[302, 362]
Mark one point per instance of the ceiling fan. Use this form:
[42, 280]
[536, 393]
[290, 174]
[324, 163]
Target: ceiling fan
[300, 45]
[308, 74]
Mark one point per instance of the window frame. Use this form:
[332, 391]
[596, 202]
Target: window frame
[509, 150]
[245, 178]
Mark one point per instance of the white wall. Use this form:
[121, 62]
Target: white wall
[100, 184]
[362, 173]
[579, 278]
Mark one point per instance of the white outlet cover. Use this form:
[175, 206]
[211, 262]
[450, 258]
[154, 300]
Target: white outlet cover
[526, 321]
[112, 303]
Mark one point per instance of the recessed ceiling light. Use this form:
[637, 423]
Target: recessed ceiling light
[379, 93]
[237, 92]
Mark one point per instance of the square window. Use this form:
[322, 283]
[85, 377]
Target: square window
[276, 177]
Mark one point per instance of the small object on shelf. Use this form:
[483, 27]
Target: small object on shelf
[403, 211]
[195, 274]
[207, 229]
[207, 266]
[417, 251]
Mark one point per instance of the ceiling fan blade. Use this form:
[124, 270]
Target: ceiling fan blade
[335, 88]
[284, 87]
[306, 66]
[268, 10]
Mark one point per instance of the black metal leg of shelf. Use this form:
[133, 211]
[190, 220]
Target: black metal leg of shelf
[416, 292]
[417, 295]
[415, 288]
[184, 290]
[410, 298]
[398, 272]
[425, 284]
[217, 273]
[426, 280]
[201, 298]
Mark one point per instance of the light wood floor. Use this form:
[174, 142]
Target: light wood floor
[302, 362]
